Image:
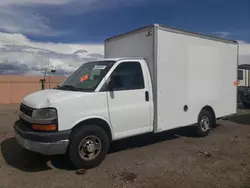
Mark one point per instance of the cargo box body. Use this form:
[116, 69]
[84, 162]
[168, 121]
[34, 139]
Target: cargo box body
[188, 71]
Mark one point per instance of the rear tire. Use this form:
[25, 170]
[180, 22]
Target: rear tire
[205, 123]
[89, 146]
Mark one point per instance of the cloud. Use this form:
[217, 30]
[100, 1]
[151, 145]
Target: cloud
[14, 20]
[244, 52]
[85, 6]
[33, 17]
[242, 42]
[22, 16]
[27, 2]
[223, 34]
[19, 55]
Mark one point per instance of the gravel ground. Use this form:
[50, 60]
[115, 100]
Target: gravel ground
[171, 159]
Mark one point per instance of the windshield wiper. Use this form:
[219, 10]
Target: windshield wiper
[69, 87]
[72, 88]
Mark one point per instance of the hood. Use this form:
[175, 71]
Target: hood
[48, 97]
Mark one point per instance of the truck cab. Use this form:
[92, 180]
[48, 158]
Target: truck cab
[111, 98]
[244, 85]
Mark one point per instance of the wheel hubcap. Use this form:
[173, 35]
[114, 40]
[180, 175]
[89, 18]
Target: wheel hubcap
[89, 148]
[205, 124]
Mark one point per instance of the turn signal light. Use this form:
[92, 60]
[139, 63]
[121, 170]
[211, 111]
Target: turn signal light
[51, 127]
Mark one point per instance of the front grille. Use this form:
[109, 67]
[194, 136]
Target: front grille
[26, 110]
[26, 125]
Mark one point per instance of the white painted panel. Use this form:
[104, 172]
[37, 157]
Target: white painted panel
[195, 72]
[136, 44]
[245, 80]
[130, 114]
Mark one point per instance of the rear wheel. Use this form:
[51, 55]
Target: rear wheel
[205, 123]
[89, 146]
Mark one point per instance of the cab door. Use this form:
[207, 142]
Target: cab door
[129, 100]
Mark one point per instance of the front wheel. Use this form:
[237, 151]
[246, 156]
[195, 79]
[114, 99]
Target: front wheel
[204, 124]
[88, 147]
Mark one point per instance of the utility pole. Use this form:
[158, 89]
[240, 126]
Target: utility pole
[43, 79]
[49, 71]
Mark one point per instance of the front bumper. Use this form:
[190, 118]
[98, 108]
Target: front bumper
[51, 143]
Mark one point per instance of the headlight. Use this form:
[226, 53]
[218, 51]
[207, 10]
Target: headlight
[45, 113]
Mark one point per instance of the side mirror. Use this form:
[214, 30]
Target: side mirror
[109, 84]
[114, 82]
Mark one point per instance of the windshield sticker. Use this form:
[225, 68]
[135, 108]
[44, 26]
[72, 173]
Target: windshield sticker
[83, 78]
[100, 67]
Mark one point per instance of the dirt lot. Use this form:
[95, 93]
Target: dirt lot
[172, 159]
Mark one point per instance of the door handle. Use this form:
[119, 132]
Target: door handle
[146, 96]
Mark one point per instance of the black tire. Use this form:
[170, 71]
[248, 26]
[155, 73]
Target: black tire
[78, 136]
[204, 116]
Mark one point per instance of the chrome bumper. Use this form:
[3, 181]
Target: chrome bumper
[45, 148]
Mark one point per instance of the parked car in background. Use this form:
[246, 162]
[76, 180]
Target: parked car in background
[244, 85]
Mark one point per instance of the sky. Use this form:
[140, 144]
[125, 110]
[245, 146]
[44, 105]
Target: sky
[64, 34]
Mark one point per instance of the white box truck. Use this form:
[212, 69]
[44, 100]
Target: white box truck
[152, 79]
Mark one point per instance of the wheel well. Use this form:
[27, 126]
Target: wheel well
[96, 121]
[211, 110]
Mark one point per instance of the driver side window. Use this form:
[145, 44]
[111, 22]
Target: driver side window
[128, 76]
[240, 75]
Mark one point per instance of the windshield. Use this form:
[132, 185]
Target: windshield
[87, 77]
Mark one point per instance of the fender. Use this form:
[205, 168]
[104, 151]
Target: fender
[94, 117]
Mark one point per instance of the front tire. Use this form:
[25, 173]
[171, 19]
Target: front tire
[88, 147]
[204, 124]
